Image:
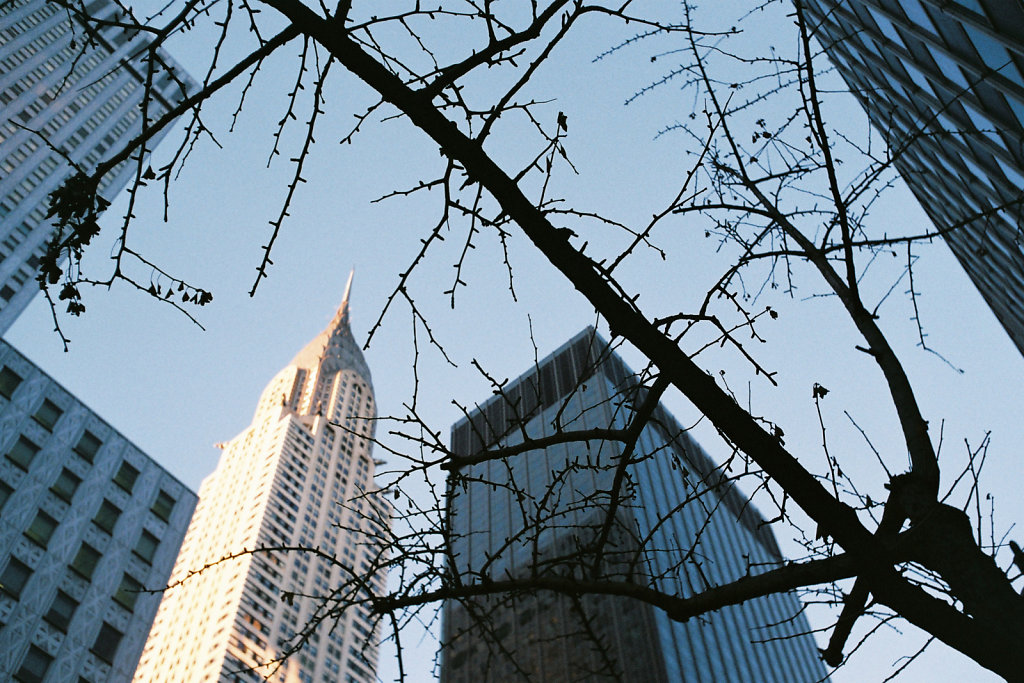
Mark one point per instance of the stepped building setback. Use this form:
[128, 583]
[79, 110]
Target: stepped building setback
[292, 478]
[70, 87]
[943, 82]
[88, 521]
[680, 525]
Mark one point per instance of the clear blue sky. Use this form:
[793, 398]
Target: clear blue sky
[175, 390]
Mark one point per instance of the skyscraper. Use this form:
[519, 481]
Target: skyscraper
[88, 520]
[943, 81]
[681, 525]
[69, 87]
[301, 474]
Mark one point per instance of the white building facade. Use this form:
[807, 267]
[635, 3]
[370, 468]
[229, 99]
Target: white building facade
[65, 86]
[88, 520]
[300, 475]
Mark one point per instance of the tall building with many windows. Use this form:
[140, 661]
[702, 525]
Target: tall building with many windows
[67, 91]
[300, 475]
[680, 525]
[943, 81]
[88, 521]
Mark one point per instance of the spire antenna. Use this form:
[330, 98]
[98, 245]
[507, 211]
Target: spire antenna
[348, 287]
[343, 308]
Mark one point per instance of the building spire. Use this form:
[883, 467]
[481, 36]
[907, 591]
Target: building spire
[342, 314]
[348, 288]
[334, 348]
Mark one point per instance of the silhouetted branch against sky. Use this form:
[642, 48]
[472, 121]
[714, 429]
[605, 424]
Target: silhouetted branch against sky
[785, 198]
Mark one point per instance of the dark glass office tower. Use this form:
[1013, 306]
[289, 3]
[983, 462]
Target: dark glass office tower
[681, 525]
[943, 81]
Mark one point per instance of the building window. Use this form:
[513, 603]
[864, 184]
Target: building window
[61, 610]
[107, 516]
[146, 547]
[48, 414]
[128, 592]
[34, 666]
[106, 643]
[164, 505]
[41, 529]
[14, 578]
[9, 381]
[88, 445]
[23, 452]
[126, 476]
[66, 485]
[5, 493]
[85, 561]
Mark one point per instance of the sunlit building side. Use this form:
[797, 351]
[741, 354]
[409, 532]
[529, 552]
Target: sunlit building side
[681, 525]
[292, 478]
[67, 91]
[943, 81]
[88, 522]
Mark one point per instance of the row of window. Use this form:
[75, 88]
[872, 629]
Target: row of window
[24, 452]
[59, 615]
[17, 574]
[37, 661]
[43, 525]
[933, 58]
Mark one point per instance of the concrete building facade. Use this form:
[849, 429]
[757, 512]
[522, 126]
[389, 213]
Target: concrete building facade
[300, 475]
[680, 525]
[78, 90]
[88, 521]
[943, 81]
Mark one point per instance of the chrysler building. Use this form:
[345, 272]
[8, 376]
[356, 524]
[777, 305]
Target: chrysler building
[300, 475]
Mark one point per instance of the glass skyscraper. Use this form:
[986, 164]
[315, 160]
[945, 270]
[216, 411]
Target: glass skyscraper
[88, 520]
[943, 81]
[681, 525]
[301, 474]
[78, 90]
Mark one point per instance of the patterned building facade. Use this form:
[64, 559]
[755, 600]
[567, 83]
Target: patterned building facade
[943, 81]
[66, 88]
[88, 520]
[540, 513]
[300, 475]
